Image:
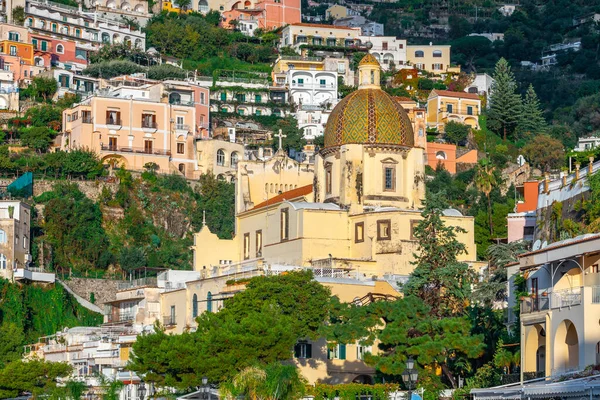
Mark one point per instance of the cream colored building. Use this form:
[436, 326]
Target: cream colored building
[430, 58]
[444, 106]
[221, 157]
[559, 319]
[15, 217]
[337, 11]
[295, 35]
[132, 126]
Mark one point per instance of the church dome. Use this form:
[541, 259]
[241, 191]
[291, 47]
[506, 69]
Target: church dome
[368, 116]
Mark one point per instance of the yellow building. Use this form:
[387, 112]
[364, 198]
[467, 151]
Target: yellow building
[221, 157]
[444, 106]
[337, 11]
[170, 6]
[430, 58]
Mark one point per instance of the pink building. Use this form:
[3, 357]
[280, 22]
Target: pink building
[50, 51]
[266, 14]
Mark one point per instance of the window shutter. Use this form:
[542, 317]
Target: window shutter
[432, 66]
[308, 350]
[329, 354]
[297, 350]
[342, 351]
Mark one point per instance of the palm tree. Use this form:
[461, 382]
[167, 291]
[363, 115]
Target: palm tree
[485, 181]
[275, 381]
[247, 382]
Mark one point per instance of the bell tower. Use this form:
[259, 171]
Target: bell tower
[369, 73]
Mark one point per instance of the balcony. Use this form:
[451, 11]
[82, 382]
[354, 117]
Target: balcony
[126, 316]
[87, 120]
[325, 86]
[465, 112]
[114, 123]
[149, 126]
[558, 299]
[135, 283]
[169, 320]
[182, 129]
[136, 150]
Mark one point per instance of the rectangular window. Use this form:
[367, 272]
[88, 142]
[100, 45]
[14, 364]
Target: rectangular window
[86, 116]
[285, 224]
[258, 112]
[113, 117]
[246, 246]
[180, 148]
[201, 98]
[149, 121]
[322, 83]
[449, 108]
[258, 98]
[595, 268]
[223, 96]
[389, 179]
[303, 350]
[148, 146]
[359, 232]
[384, 45]
[13, 50]
[44, 45]
[112, 143]
[300, 81]
[34, 42]
[240, 97]
[172, 316]
[384, 229]
[361, 350]
[528, 230]
[469, 110]
[337, 353]
[534, 294]
[78, 32]
[259, 243]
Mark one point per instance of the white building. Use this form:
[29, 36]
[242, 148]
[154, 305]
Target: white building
[9, 90]
[492, 37]
[387, 50]
[313, 88]
[481, 85]
[88, 30]
[587, 143]
[312, 120]
[367, 27]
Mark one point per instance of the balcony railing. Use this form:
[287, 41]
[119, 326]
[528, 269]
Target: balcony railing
[182, 127]
[87, 120]
[113, 121]
[459, 111]
[126, 316]
[137, 150]
[313, 85]
[553, 300]
[136, 283]
[169, 320]
[149, 125]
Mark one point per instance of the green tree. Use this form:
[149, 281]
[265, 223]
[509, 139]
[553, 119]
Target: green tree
[274, 381]
[11, 342]
[439, 279]
[44, 87]
[38, 138]
[165, 71]
[183, 4]
[545, 153]
[45, 115]
[18, 15]
[532, 120]
[34, 376]
[455, 132]
[505, 103]
[485, 181]
[110, 69]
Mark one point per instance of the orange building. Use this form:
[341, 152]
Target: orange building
[18, 49]
[530, 192]
[446, 154]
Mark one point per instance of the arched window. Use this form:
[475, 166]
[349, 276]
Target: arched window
[60, 48]
[182, 168]
[29, 22]
[234, 159]
[419, 53]
[220, 157]
[195, 306]
[233, 180]
[2, 236]
[3, 261]
[105, 38]
[440, 155]
[54, 27]
[221, 178]
[203, 6]
[39, 62]
[209, 302]
[372, 77]
[437, 53]
[175, 98]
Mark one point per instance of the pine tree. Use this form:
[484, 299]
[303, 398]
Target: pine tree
[506, 105]
[532, 120]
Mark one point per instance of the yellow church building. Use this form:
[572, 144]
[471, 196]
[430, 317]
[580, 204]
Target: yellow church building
[355, 209]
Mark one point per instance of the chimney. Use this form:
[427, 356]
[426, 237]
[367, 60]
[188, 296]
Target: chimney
[577, 166]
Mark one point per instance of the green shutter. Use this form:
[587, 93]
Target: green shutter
[297, 350]
[257, 98]
[44, 45]
[342, 351]
[308, 350]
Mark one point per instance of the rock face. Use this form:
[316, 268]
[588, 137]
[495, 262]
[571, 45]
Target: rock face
[104, 290]
[91, 189]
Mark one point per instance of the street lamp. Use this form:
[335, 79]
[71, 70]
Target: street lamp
[410, 376]
[142, 391]
[205, 389]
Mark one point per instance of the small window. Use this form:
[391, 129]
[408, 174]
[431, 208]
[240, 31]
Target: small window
[195, 306]
[285, 224]
[595, 268]
[223, 96]
[437, 53]
[3, 261]
[14, 36]
[328, 184]
[13, 50]
[419, 54]
[259, 243]
[303, 350]
[60, 49]
[258, 98]
[202, 98]
[246, 246]
[2, 236]
[361, 351]
[384, 229]
[449, 108]
[180, 148]
[209, 307]
[413, 225]
[113, 118]
[359, 232]
[528, 230]
[469, 110]
[337, 353]
[234, 159]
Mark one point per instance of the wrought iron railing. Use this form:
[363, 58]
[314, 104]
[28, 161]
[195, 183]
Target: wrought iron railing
[139, 150]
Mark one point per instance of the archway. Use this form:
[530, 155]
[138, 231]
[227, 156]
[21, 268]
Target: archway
[364, 379]
[540, 357]
[115, 161]
[203, 6]
[534, 349]
[566, 347]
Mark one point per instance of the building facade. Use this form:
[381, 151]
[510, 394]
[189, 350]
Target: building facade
[430, 58]
[389, 51]
[15, 225]
[444, 106]
[296, 35]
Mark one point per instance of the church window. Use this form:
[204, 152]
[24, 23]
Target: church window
[220, 157]
[389, 178]
[372, 77]
[246, 246]
[384, 229]
[413, 225]
[328, 180]
[285, 224]
[195, 306]
[3, 262]
[259, 243]
[359, 232]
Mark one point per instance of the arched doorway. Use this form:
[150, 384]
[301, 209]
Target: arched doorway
[566, 347]
[540, 359]
[534, 352]
[364, 379]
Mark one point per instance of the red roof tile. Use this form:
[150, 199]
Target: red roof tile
[464, 95]
[289, 195]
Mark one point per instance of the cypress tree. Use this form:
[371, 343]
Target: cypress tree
[506, 105]
[532, 120]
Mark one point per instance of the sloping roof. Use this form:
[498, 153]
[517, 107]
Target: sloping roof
[289, 195]
[464, 95]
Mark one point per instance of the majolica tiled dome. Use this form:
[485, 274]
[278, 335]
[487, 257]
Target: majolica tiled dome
[368, 116]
